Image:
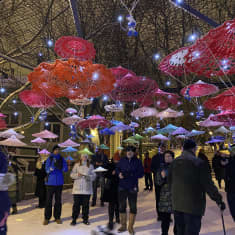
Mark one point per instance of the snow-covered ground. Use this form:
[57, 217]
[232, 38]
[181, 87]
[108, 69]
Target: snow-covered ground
[29, 220]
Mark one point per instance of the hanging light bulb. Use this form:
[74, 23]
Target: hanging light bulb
[120, 18]
[156, 56]
[168, 83]
[50, 43]
[14, 101]
[2, 89]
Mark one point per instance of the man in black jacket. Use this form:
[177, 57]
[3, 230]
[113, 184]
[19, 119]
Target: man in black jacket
[157, 162]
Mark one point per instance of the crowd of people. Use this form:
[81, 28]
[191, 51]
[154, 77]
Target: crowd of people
[180, 184]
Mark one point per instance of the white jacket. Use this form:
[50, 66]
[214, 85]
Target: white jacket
[83, 184]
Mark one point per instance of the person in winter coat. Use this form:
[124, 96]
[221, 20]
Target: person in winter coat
[129, 169]
[99, 159]
[217, 167]
[148, 173]
[111, 191]
[41, 174]
[83, 175]
[55, 166]
[224, 160]
[165, 201]
[230, 181]
[190, 180]
[157, 162]
[203, 157]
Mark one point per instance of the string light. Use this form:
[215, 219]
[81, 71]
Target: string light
[46, 124]
[14, 101]
[156, 56]
[95, 76]
[105, 98]
[50, 43]
[168, 83]
[191, 113]
[2, 90]
[120, 18]
[192, 37]
[15, 113]
[40, 54]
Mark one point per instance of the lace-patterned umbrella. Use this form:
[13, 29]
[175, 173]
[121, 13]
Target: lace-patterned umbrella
[38, 141]
[120, 127]
[173, 64]
[159, 137]
[106, 131]
[71, 110]
[36, 99]
[144, 112]
[44, 151]
[71, 120]
[12, 142]
[195, 133]
[214, 54]
[10, 132]
[94, 121]
[199, 89]
[209, 123]
[223, 101]
[81, 101]
[180, 131]
[113, 108]
[169, 113]
[45, 134]
[68, 143]
[225, 116]
[74, 47]
[120, 72]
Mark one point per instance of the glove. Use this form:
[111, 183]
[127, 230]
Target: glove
[222, 206]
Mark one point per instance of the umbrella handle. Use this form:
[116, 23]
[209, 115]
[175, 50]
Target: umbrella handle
[222, 217]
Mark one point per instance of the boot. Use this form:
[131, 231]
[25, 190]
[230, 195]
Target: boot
[123, 218]
[131, 223]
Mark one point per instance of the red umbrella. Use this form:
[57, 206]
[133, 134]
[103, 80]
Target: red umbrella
[74, 47]
[223, 101]
[36, 99]
[161, 103]
[94, 121]
[225, 116]
[199, 89]
[213, 54]
[3, 124]
[132, 88]
[173, 64]
[120, 72]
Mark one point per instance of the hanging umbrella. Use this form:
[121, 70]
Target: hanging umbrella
[213, 54]
[167, 129]
[103, 146]
[120, 127]
[226, 116]
[120, 72]
[214, 140]
[223, 101]
[173, 64]
[144, 112]
[150, 129]
[116, 122]
[90, 136]
[199, 89]
[68, 143]
[36, 99]
[169, 113]
[45, 134]
[106, 131]
[85, 151]
[209, 123]
[44, 151]
[94, 121]
[180, 131]
[71, 46]
[131, 141]
[71, 110]
[159, 137]
[134, 124]
[69, 158]
[12, 142]
[222, 129]
[69, 150]
[137, 137]
[86, 141]
[10, 132]
[171, 98]
[195, 133]
[71, 120]
[38, 140]
[181, 137]
[81, 101]
[113, 108]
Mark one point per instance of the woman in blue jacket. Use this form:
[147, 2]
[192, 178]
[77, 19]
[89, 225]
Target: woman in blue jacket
[129, 169]
[55, 166]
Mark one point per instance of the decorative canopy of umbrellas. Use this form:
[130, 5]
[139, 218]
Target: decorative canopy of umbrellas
[69, 150]
[93, 122]
[222, 130]
[85, 151]
[131, 141]
[68, 143]
[195, 133]
[120, 127]
[120, 72]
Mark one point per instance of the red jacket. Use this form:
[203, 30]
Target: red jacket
[147, 165]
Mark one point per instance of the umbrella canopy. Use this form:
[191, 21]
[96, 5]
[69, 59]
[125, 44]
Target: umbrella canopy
[68, 143]
[181, 137]
[212, 141]
[120, 72]
[107, 131]
[94, 121]
[114, 108]
[134, 124]
[168, 129]
[13, 142]
[81, 101]
[10, 132]
[171, 98]
[69, 158]
[45, 134]
[85, 151]
[69, 150]
[120, 127]
[144, 112]
[137, 137]
[103, 146]
[226, 116]
[195, 133]
[71, 120]
[131, 141]
[199, 89]
[169, 113]
[159, 137]
[180, 131]
[222, 129]
[71, 110]
[38, 140]
[120, 148]
[208, 122]
[116, 122]
[44, 151]
[150, 129]
[232, 128]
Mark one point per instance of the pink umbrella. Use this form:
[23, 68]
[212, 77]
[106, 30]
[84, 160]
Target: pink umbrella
[2, 115]
[71, 110]
[199, 89]
[226, 116]
[12, 142]
[169, 113]
[38, 141]
[68, 143]
[46, 135]
[161, 103]
[181, 137]
[71, 120]
[113, 108]
[10, 132]
[93, 122]
[180, 131]
[159, 137]
[44, 151]
[144, 112]
[208, 122]
[120, 72]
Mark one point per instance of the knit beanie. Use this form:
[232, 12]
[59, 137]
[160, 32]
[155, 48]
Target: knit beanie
[189, 144]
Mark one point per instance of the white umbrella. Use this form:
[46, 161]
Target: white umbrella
[71, 120]
[10, 132]
[13, 142]
[222, 130]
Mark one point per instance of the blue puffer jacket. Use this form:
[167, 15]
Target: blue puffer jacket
[55, 176]
[132, 170]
